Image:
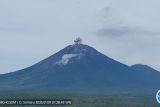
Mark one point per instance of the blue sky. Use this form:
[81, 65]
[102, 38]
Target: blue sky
[125, 30]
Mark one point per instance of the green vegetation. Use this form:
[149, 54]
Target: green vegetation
[83, 99]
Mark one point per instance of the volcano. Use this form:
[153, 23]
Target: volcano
[81, 67]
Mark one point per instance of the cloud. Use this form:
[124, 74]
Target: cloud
[128, 38]
[116, 24]
[119, 31]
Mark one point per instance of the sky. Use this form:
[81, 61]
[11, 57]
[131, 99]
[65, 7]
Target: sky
[125, 30]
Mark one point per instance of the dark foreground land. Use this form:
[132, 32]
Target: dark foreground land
[85, 99]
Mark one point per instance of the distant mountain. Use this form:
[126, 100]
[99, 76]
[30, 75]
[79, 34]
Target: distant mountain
[144, 68]
[150, 75]
[81, 67]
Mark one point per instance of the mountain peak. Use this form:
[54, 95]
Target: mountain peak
[75, 52]
[80, 49]
[142, 67]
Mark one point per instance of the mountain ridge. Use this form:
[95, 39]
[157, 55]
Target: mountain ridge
[79, 67]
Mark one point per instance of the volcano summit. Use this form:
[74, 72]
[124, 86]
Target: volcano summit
[81, 67]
